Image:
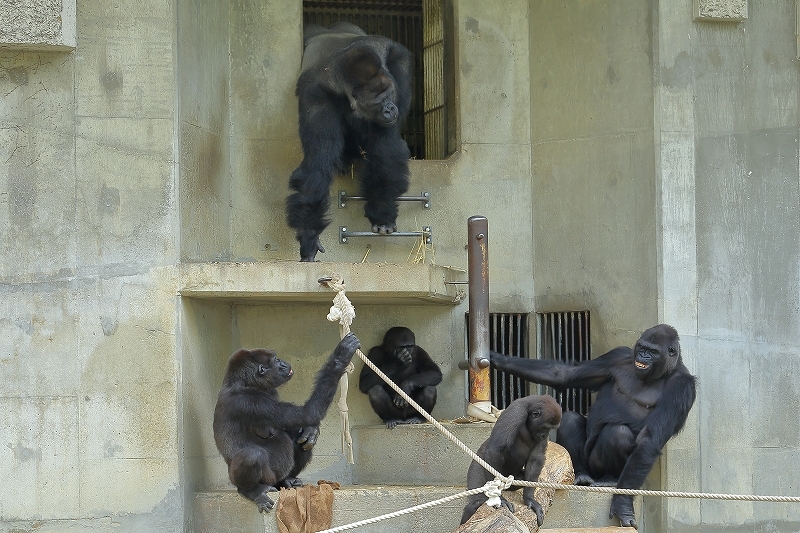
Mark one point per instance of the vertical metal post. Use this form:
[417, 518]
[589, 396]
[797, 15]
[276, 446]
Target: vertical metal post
[478, 272]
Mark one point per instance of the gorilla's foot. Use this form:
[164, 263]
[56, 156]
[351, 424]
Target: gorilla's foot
[384, 229]
[583, 479]
[259, 495]
[291, 483]
[607, 481]
[309, 245]
[622, 506]
[413, 420]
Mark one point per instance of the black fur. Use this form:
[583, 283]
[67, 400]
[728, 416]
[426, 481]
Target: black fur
[643, 398]
[516, 448]
[267, 442]
[353, 93]
[410, 367]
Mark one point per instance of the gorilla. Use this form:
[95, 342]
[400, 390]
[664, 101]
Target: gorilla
[407, 365]
[643, 398]
[264, 441]
[516, 448]
[353, 93]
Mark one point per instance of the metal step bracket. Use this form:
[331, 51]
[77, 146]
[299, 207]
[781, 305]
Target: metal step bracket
[426, 233]
[424, 197]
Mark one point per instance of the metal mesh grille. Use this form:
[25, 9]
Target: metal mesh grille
[400, 21]
[565, 336]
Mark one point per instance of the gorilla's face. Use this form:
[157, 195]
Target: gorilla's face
[401, 342]
[656, 353]
[369, 85]
[374, 100]
[262, 369]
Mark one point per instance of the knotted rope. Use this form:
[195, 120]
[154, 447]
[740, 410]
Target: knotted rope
[343, 312]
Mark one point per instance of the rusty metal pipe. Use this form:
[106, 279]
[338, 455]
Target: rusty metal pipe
[478, 274]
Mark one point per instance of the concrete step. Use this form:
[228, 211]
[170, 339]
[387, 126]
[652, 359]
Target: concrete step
[609, 529]
[427, 456]
[571, 512]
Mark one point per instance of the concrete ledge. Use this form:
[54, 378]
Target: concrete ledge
[571, 512]
[293, 281]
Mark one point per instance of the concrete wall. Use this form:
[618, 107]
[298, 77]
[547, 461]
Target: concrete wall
[594, 199]
[87, 255]
[704, 235]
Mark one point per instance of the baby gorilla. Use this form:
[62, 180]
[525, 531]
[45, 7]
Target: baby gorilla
[516, 448]
[407, 365]
[267, 442]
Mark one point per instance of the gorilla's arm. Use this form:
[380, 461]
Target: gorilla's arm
[586, 374]
[666, 419]
[427, 373]
[368, 378]
[253, 404]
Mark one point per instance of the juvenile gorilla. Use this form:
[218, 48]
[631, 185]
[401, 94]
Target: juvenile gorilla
[267, 442]
[516, 448]
[407, 365]
[354, 91]
[643, 398]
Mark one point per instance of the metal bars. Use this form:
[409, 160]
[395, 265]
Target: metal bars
[565, 336]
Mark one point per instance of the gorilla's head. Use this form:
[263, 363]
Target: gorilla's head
[401, 343]
[258, 368]
[657, 353]
[370, 87]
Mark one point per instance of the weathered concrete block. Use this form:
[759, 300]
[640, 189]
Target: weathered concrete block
[38, 24]
[722, 10]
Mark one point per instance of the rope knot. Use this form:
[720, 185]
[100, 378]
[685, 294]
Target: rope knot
[342, 310]
[494, 489]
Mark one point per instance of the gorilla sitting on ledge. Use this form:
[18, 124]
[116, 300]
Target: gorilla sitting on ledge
[643, 398]
[408, 366]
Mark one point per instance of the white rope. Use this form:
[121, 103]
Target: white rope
[411, 509]
[344, 311]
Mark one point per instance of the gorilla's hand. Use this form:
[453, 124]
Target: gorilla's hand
[622, 506]
[408, 388]
[534, 506]
[309, 245]
[384, 229]
[308, 437]
[400, 402]
[344, 351]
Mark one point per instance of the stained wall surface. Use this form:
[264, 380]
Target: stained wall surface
[704, 228]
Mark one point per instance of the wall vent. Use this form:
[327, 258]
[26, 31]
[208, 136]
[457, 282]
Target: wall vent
[565, 336]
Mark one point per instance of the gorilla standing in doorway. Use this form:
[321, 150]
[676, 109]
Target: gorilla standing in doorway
[353, 93]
